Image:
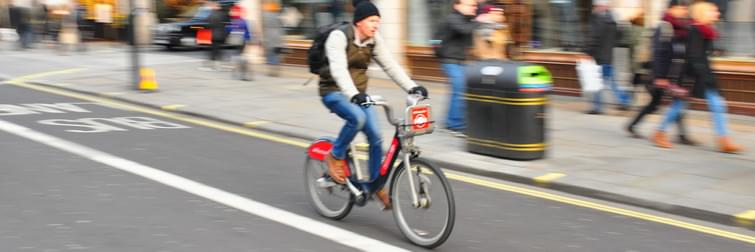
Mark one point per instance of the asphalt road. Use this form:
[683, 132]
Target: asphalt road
[63, 187]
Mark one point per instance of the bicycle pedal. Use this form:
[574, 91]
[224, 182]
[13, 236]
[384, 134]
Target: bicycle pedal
[325, 182]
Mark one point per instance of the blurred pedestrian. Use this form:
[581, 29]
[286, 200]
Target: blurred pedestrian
[83, 27]
[39, 20]
[492, 36]
[456, 39]
[668, 42]
[21, 20]
[702, 33]
[639, 48]
[638, 37]
[239, 35]
[272, 37]
[603, 38]
[217, 28]
[69, 30]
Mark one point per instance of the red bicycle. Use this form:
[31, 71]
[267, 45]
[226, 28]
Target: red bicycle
[423, 203]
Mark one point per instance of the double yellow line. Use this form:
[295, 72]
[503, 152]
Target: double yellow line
[450, 174]
[507, 101]
[507, 146]
[601, 207]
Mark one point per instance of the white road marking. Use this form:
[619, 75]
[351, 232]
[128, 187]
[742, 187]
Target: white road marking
[302, 223]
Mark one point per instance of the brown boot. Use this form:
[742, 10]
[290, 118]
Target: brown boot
[384, 198]
[727, 146]
[336, 169]
[660, 140]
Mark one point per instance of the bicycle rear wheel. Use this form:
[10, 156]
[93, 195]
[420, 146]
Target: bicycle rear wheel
[430, 223]
[330, 199]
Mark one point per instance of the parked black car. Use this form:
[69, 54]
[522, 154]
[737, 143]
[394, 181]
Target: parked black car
[184, 34]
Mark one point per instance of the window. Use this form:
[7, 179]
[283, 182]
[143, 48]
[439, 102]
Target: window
[737, 28]
[302, 17]
[425, 18]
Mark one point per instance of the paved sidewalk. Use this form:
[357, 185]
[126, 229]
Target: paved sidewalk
[591, 154]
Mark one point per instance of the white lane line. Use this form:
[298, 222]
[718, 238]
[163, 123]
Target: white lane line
[305, 224]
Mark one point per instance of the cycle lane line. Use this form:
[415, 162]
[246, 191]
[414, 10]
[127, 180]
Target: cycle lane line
[328, 232]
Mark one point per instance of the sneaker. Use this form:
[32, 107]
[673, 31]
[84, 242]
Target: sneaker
[660, 140]
[727, 146]
[384, 198]
[336, 169]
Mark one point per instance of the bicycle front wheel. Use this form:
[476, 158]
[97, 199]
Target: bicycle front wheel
[331, 200]
[430, 222]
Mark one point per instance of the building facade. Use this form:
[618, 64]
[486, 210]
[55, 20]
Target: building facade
[548, 32]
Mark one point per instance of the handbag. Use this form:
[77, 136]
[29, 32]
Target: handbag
[589, 75]
[677, 91]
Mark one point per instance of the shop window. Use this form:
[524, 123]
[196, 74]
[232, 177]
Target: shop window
[302, 17]
[424, 19]
[560, 24]
[426, 16]
[737, 28]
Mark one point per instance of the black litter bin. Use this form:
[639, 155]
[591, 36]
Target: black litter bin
[506, 109]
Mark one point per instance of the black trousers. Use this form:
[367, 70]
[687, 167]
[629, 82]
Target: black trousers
[216, 50]
[655, 101]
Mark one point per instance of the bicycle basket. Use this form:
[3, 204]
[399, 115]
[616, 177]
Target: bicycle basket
[419, 120]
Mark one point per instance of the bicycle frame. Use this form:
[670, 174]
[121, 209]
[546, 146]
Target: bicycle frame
[403, 141]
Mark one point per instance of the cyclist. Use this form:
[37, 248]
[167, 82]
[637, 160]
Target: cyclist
[343, 86]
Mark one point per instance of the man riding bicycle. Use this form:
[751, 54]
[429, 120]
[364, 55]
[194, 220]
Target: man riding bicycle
[343, 86]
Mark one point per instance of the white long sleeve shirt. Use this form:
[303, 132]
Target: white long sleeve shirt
[335, 50]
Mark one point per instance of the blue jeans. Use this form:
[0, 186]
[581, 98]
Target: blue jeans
[456, 105]
[717, 107]
[673, 113]
[272, 58]
[357, 119]
[608, 79]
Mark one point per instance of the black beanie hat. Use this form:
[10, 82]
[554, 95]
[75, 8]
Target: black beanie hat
[364, 9]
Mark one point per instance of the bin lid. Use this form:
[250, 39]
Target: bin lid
[509, 76]
[492, 75]
[534, 78]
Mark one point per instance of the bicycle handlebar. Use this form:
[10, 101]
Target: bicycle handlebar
[411, 100]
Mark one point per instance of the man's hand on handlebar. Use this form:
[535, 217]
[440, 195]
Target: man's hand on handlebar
[419, 90]
[362, 99]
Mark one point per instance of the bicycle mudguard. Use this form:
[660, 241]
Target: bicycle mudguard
[320, 148]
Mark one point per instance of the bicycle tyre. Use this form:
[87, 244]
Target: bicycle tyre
[343, 203]
[402, 203]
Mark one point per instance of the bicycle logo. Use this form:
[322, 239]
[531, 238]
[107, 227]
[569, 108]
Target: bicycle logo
[420, 118]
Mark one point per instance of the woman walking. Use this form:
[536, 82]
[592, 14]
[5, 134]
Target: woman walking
[239, 35]
[700, 39]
